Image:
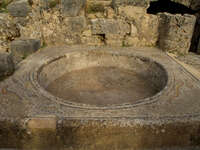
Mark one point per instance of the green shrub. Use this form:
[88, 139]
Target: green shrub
[4, 4]
[53, 3]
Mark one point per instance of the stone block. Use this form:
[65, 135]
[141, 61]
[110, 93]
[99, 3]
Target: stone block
[131, 41]
[143, 25]
[114, 40]
[6, 65]
[175, 32]
[72, 8]
[19, 8]
[140, 3]
[42, 133]
[22, 48]
[110, 26]
[132, 12]
[75, 24]
[42, 123]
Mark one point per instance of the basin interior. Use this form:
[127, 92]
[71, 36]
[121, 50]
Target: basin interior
[102, 78]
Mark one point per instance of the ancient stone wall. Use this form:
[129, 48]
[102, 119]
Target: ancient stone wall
[97, 22]
[176, 32]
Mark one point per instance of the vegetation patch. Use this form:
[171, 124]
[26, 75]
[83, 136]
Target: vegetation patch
[53, 3]
[125, 44]
[44, 45]
[95, 8]
[4, 4]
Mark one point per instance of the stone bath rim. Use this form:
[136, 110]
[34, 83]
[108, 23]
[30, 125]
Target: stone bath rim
[34, 76]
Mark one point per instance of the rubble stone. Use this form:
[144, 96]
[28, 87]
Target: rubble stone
[22, 48]
[8, 31]
[19, 8]
[6, 65]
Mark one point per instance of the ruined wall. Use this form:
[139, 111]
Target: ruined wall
[97, 22]
[93, 23]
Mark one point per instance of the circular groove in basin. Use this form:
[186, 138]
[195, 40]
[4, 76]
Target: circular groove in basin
[101, 79]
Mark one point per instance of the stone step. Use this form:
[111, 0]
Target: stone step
[73, 134]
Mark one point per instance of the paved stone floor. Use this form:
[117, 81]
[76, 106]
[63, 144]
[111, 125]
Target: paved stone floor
[192, 59]
[36, 118]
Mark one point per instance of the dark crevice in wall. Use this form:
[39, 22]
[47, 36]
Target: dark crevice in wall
[195, 37]
[102, 38]
[168, 6]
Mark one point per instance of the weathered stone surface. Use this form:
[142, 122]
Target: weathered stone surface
[140, 3]
[144, 26]
[132, 41]
[174, 112]
[54, 29]
[41, 27]
[195, 5]
[71, 8]
[20, 21]
[42, 123]
[110, 26]
[110, 13]
[97, 9]
[114, 40]
[191, 59]
[64, 22]
[8, 31]
[42, 129]
[89, 39]
[94, 40]
[49, 4]
[176, 32]
[20, 49]
[75, 24]
[132, 12]
[19, 8]
[112, 30]
[134, 30]
[101, 2]
[6, 65]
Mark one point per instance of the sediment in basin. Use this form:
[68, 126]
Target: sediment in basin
[102, 78]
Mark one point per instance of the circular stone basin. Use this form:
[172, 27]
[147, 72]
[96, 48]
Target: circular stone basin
[102, 79]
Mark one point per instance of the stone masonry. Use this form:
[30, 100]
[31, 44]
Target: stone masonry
[102, 22]
[176, 32]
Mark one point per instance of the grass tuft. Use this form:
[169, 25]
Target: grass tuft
[53, 3]
[3, 5]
